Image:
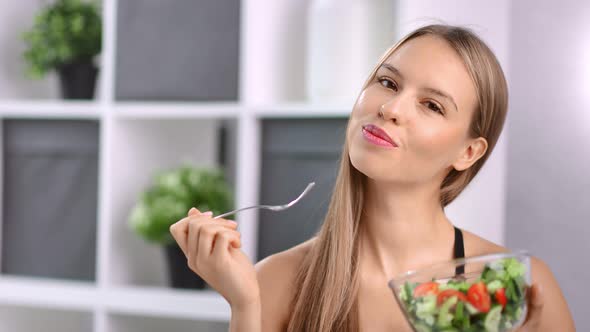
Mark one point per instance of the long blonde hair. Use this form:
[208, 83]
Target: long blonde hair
[327, 280]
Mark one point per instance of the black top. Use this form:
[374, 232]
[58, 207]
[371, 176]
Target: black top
[459, 250]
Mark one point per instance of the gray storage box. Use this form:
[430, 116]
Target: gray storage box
[294, 153]
[50, 198]
[177, 50]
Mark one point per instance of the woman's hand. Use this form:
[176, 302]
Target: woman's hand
[535, 310]
[212, 247]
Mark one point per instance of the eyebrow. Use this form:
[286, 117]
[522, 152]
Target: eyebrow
[429, 90]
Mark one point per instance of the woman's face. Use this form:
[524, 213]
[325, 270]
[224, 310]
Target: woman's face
[429, 127]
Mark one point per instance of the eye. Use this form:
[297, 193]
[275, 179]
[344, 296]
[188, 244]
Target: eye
[434, 107]
[385, 81]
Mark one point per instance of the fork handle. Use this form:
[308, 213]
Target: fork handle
[234, 211]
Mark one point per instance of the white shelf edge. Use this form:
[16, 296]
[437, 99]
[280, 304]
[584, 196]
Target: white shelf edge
[59, 109]
[302, 109]
[171, 303]
[171, 110]
[83, 296]
[65, 109]
[47, 293]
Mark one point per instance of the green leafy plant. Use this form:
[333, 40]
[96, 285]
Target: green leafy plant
[173, 193]
[64, 32]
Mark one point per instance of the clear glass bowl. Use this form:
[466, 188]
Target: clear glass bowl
[479, 293]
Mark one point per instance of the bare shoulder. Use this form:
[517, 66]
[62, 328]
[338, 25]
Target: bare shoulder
[284, 262]
[476, 245]
[276, 276]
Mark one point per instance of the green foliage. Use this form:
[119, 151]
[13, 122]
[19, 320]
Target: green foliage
[173, 193]
[63, 32]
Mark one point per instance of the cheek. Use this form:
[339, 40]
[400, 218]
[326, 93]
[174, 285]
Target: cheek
[358, 113]
[365, 109]
[434, 144]
[368, 102]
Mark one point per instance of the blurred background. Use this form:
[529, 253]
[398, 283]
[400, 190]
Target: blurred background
[117, 116]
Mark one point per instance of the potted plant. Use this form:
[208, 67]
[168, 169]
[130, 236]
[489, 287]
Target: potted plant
[66, 36]
[168, 200]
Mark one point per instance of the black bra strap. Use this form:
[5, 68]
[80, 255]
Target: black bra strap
[459, 250]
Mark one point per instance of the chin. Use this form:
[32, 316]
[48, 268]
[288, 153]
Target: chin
[369, 165]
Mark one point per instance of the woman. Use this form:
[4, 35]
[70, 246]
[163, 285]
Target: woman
[439, 99]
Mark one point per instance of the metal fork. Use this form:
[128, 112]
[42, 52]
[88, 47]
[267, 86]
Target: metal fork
[271, 207]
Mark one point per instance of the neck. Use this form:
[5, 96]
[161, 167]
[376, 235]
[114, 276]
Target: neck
[403, 228]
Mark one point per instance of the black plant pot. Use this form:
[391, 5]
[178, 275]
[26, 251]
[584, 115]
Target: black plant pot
[77, 79]
[181, 276]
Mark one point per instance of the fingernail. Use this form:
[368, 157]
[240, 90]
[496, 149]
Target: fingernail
[208, 213]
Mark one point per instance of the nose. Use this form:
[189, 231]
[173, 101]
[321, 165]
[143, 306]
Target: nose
[391, 109]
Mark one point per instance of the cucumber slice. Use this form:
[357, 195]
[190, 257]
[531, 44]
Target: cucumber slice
[515, 268]
[444, 315]
[426, 305]
[493, 286]
[492, 320]
[471, 309]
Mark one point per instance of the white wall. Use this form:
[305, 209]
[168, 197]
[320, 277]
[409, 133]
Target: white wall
[548, 208]
[15, 18]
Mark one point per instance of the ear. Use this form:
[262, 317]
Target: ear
[471, 153]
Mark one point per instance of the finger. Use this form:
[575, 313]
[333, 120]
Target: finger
[195, 224]
[535, 306]
[228, 221]
[193, 238]
[179, 231]
[224, 240]
[208, 220]
[195, 211]
[207, 236]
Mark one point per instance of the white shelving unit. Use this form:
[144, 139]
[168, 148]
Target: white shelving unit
[50, 110]
[130, 293]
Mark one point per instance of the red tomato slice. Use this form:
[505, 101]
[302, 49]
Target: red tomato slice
[448, 293]
[478, 296]
[426, 288]
[501, 297]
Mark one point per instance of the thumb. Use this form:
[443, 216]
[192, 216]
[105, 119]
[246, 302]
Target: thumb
[538, 296]
[535, 306]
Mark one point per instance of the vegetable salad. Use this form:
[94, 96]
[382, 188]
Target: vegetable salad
[494, 302]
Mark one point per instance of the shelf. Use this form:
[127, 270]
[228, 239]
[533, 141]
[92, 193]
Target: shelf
[37, 292]
[64, 109]
[176, 110]
[304, 110]
[141, 301]
[132, 323]
[51, 109]
[162, 302]
[15, 318]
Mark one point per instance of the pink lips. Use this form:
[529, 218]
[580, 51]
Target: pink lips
[378, 136]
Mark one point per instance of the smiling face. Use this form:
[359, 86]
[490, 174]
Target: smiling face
[427, 98]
